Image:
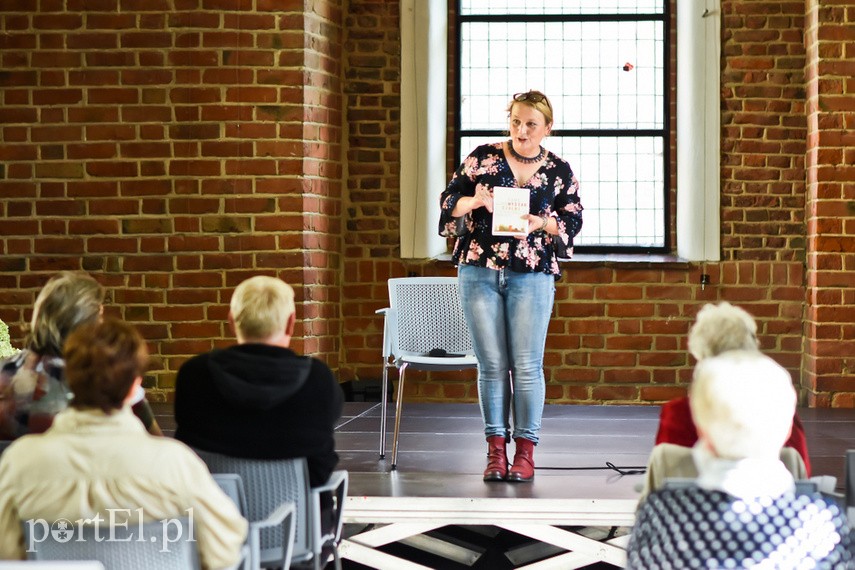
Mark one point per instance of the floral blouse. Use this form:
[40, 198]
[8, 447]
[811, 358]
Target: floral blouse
[553, 191]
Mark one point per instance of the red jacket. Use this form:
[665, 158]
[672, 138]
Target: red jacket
[676, 426]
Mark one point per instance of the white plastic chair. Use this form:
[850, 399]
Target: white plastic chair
[51, 565]
[270, 482]
[849, 485]
[282, 517]
[424, 315]
[155, 544]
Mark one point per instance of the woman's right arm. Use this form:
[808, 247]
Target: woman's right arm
[462, 195]
[466, 204]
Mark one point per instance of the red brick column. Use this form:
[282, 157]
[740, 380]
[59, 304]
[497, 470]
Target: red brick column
[320, 95]
[829, 347]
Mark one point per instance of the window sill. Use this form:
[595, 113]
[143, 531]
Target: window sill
[633, 260]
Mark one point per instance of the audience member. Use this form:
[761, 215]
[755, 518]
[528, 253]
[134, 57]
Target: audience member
[32, 383]
[717, 329]
[97, 462]
[259, 399]
[744, 510]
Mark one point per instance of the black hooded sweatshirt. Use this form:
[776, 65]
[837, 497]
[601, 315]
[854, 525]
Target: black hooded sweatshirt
[261, 402]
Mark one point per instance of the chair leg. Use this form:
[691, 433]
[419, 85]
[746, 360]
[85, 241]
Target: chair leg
[383, 402]
[399, 402]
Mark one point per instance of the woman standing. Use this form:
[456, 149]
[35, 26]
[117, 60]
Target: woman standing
[507, 283]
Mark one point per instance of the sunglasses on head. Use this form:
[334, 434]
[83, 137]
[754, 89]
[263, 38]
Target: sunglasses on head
[533, 97]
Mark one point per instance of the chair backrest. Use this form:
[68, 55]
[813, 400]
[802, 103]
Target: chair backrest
[428, 315]
[671, 461]
[51, 565]
[232, 485]
[803, 486]
[849, 477]
[281, 519]
[167, 545]
[268, 483]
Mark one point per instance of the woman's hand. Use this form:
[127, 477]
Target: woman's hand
[537, 224]
[483, 197]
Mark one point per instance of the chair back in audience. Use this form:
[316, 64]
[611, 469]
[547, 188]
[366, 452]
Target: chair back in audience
[803, 486]
[849, 477]
[52, 565]
[269, 483]
[282, 518]
[671, 461]
[849, 486]
[165, 545]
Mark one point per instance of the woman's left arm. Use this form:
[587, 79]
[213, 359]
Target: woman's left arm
[566, 219]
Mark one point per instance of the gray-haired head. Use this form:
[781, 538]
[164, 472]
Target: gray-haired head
[722, 327]
[742, 404]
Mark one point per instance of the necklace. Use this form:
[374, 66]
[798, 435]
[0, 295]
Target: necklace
[525, 159]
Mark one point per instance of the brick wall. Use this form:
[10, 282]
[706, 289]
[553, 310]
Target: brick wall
[829, 366]
[618, 332]
[763, 131]
[174, 150]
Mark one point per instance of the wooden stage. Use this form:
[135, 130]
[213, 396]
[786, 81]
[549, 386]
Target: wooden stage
[434, 511]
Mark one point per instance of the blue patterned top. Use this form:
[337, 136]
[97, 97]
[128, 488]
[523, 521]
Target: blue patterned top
[553, 191]
[692, 528]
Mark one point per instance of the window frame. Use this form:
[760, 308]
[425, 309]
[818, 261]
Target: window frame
[665, 133]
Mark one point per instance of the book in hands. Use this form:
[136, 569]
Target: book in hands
[510, 211]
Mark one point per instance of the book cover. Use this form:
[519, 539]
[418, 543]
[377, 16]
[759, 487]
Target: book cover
[510, 206]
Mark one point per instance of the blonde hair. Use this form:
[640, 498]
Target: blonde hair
[68, 300]
[534, 99]
[261, 307]
[743, 404]
[722, 327]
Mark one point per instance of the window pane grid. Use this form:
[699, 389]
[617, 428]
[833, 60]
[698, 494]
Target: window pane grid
[606, 81]
[585, 72]
[508, 7]
[622, 190]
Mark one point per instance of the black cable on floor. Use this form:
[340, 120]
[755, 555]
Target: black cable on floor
[623, 470]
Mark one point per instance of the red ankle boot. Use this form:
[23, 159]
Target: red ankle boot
[523, 468]
[497, 459]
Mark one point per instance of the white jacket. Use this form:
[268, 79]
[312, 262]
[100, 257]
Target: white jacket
[91, 464]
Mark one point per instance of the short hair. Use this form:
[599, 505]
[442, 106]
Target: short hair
[743, 403]
[102, 360]
[68, 300]
[534, 99]
[722, 327]
[261, 307]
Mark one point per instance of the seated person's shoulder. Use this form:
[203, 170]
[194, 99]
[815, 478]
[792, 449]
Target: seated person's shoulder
[693, 501]
[171, 452]
[324, 373]
[194, 362]
[676, 406]
[319, 366]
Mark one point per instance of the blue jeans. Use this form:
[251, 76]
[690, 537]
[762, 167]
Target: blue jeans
[508, 316]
